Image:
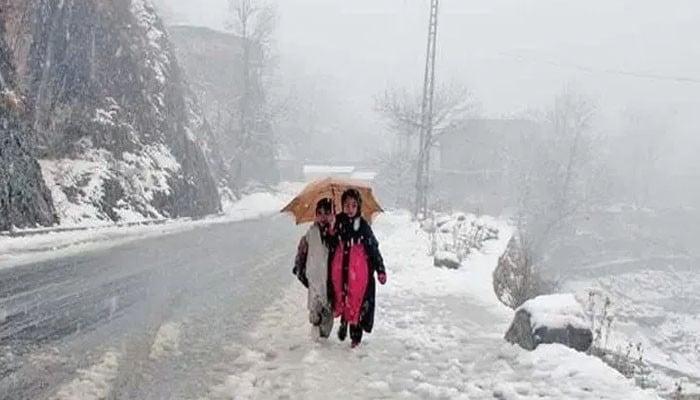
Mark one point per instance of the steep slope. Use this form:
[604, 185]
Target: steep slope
[25, 200]
[114, 123]
[219, 86]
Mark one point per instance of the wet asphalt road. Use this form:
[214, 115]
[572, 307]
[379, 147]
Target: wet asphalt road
[63, 316]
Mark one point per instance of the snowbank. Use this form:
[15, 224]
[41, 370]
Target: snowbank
[656, 310]
[167, 341]
[81, 188]
[255, 205]
[93, 383]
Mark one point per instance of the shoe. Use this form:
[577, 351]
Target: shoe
[323, 334]
[354, 344]
[342, 330]
[314, 319]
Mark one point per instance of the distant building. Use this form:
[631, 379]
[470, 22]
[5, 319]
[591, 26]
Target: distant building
[366, 176]
[318, 171]
[472, 170]
[313, 172]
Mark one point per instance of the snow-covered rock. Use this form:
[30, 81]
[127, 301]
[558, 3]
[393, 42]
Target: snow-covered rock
[557, 318]
[446, 259]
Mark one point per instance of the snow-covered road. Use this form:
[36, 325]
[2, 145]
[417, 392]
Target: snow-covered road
[439, 335]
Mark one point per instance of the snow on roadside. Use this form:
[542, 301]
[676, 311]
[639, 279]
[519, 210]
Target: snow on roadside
[654, 308]
[93, 383]
[167, 341]
[438, 334]
[44, 246]
[262, 204]
[78, 185]
[255, 205]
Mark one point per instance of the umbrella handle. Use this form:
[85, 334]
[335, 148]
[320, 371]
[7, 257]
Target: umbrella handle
[333, 201]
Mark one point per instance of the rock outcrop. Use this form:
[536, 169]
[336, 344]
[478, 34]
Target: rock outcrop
[218, 85]
[25, 201]
[116, 129]
[514, 277]
[550, 319]
[446, 259]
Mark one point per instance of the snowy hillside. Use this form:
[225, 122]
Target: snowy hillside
[217, 85]
[116, 132]
[647, 267]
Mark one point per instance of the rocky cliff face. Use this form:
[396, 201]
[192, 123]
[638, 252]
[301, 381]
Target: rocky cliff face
[115, 127]
[25, 200]
[218, 86]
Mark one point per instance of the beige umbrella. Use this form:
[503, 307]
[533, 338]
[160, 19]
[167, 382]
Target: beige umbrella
[303, 206]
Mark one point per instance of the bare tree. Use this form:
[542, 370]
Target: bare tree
[254, 22]
[571, 120]
[402, 110]
[556, 168]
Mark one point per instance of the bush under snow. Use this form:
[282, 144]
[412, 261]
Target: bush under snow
[454, 237]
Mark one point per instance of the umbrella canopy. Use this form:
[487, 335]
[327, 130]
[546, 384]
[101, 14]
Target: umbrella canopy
[303, 206]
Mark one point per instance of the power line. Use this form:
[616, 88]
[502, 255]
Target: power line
[609, 71]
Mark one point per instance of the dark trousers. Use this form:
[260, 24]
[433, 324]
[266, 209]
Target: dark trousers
[356, 333]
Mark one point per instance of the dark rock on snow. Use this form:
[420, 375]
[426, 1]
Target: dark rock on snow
[446, 259]
[550, 319]
[512, 278]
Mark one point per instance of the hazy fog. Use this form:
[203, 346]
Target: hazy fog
[514, 54]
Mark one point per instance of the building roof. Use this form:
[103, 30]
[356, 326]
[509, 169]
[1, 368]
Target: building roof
[328, 169]
[364, 175]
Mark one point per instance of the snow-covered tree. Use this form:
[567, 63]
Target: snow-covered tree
[254, 22]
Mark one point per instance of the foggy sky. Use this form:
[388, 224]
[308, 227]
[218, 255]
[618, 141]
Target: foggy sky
[515, 54]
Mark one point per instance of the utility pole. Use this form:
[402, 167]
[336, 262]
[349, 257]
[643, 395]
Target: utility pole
[426, 129]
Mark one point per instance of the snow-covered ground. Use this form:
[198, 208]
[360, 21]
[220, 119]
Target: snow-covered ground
[92, 383]
[40, 245]
[659, 310]
[438, 335]
[646, 262]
